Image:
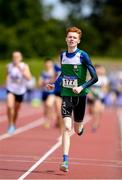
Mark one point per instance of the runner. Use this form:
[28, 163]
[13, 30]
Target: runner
[18, 73]
[49, 98]
[74, 66]
[97, 97]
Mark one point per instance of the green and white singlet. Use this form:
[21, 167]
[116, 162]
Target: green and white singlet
[74, 74]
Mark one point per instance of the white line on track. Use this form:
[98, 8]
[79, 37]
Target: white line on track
[55, 160]
[17, 160]
[48, 153]
[3, 118]
[89, 164]
[89, 159]
[45, 156]
[22, 129]
[17, 156]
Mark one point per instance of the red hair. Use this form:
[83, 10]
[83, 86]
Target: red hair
[74, 29]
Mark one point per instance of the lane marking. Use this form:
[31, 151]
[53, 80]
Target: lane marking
[25, 128]
[90, 159]
[45, 156]
[56, 160]
[89, 164]
[3, 118]
[17, 160]
[17, 156]
[25, 106]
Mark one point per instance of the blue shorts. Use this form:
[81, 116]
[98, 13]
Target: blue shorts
[45, 95]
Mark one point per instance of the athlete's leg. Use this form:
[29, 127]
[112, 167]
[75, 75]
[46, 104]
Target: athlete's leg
[66, 142]
[79, 112]
[66, 135]
[66, 114]
[10, 108]
[17, 107]
[59, 121]
[98, 110]
[48, 106]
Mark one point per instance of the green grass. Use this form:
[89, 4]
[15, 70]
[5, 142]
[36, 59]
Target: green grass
[36, 66]
[2, 72]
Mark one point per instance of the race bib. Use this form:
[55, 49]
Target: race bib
[15, 79]
[70, 82]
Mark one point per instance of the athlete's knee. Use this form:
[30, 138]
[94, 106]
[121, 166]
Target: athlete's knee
[10, 107]
[68, 128]
[67, 124]
[50, 101]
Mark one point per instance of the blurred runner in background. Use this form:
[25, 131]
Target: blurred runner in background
[51, 99]
[18, 73]
[96, 97]
[58, 100]
[119, 101]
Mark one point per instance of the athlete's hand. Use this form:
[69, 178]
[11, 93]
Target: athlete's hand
[77, 90]
[21, 68]
[50, 86]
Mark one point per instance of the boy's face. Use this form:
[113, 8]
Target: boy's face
[72, 39]
[48, 65]
[100, 71]
[16, 57]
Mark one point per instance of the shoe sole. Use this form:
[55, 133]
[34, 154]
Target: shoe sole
[64, 169]
[81, 132]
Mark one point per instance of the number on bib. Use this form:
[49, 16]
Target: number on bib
[70, 82]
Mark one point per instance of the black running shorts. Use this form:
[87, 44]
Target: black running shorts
[18, 98]
[74, 104]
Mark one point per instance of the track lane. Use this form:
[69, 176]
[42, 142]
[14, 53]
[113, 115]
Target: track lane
[92, 156]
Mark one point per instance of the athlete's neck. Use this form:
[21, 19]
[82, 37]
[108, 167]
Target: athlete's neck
[72, 49]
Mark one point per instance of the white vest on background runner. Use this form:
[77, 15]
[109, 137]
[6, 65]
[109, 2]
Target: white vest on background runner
[16, 83]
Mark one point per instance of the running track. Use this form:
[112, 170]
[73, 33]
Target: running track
[35, 153]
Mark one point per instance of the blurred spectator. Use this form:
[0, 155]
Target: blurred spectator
[97, 96]
[115, 94]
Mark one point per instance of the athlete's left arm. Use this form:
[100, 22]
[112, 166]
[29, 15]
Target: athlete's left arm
[87, 62]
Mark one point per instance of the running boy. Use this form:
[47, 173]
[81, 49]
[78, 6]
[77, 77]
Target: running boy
[74, 65]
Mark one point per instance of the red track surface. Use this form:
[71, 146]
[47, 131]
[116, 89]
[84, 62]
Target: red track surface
[92, 156]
